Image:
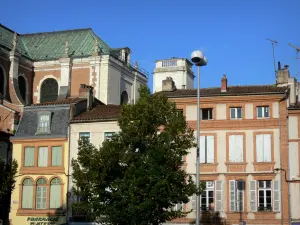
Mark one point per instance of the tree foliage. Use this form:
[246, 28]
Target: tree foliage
[8, 171]
[136, 177]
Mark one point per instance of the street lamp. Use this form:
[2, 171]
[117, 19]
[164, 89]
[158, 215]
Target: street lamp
[199, 60]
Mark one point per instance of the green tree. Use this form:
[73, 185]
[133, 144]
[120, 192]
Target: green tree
[136, 177]
[8, 171]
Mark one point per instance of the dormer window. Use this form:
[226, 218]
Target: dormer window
[44, 121]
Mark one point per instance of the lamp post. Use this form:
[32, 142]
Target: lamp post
[198, 59]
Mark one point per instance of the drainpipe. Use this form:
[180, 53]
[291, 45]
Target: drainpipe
[280, 150]
[68, 175]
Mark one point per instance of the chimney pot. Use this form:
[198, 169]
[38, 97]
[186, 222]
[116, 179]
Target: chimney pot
[86, 91]
[224, 83]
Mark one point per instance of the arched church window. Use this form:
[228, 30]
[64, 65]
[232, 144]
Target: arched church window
[22, 87]
[2, 82]
[49, 90]
[124, 98]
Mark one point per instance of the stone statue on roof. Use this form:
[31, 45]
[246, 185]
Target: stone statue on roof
[96, 51]
[67, 48]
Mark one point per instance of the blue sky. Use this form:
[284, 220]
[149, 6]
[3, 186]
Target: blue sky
[232, 33]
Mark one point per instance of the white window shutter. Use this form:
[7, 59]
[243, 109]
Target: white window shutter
[239, 145]
[232, 195]
[276, 194]
[240, 195]
[202, 149]
[267, 148]
[259, 148]
[210, 149]
[232, 154]
[252, 196]
[219, 196]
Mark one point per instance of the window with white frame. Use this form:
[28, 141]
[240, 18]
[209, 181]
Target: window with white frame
[236, 148]
[41, 194]
[179, 207]
[44, 121]
[207, 149]
[262, 112]
[85, 135]
[263, 148]
[42, 156]
[207, 197]
[108, 135]
[55, 189]
[206, 114]
[264, 195]
[211, 198]
[56, 156]
[236, 113]
[236, 195]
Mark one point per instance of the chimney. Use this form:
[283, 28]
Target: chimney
[183, 86]
[86, 91]
[282, 75]
[279, 65]
[224, 83]
[168, 84]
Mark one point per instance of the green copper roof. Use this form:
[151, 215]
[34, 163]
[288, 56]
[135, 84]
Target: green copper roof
[51, 45]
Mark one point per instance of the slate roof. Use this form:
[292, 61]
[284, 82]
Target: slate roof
[62, 102]
[99, 113]
[231, 91]
[29, 122]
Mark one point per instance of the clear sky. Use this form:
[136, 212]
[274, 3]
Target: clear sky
[232, 33]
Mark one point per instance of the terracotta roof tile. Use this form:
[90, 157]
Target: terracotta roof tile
[100, 113]
[231, 90]
[62, 102]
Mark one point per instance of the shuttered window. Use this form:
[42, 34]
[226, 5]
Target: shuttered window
[219, 196]
[207, 149]
[252, 196]
[263, 148]
[236, 195]
[236, 148]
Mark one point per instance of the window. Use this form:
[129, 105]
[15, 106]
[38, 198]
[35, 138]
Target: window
[22, 87]
[41, 193]
[263, 148]
[85, 134]
[27, 194]
[55, 190]
[236, 113]
[262, 112]
[44, 123]
[236, 148]
[179, 112]
[179, 207]
[124, 98]
[236, 195]
[43, 157]
[29, 156]
[207, 149]
[108, 135]
[264, 196]
[56, 156]
[211, 198]
[49, 90]
[207, 196]
[206, 114]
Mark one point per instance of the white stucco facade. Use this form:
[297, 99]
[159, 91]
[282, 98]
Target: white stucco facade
[179, 69]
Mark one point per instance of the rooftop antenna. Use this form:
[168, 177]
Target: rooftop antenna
[273, 47]
[297, 50]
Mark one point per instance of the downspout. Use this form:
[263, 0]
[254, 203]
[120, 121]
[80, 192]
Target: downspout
[280, 150]
[68, 174]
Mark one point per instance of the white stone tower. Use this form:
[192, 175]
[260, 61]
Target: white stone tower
[179, 69]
